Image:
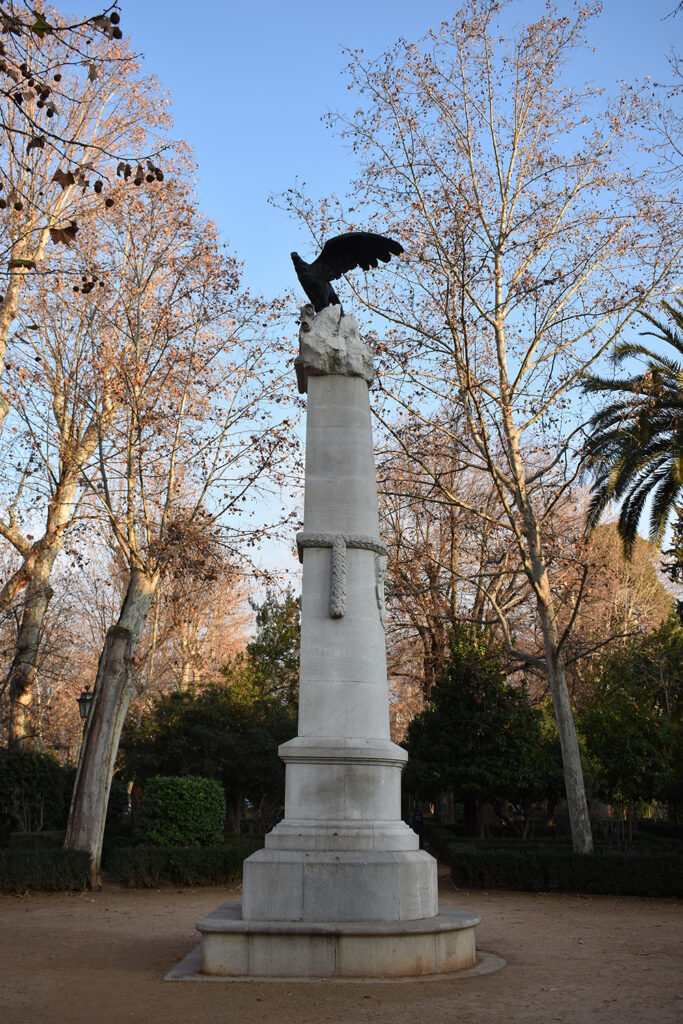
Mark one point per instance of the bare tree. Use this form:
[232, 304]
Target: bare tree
[73, 108]
[64, 390]
[536, 225]
[201, 620]
[196, 439]
[447, 563]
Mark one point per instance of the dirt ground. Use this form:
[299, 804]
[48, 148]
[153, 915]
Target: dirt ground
[100, 958]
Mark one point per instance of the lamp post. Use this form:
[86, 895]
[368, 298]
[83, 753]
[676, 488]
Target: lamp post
[84, 702]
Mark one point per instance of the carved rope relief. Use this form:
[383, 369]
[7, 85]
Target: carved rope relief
[338, 568]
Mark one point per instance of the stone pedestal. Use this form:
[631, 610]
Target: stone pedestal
[248, 950]
[342, 872]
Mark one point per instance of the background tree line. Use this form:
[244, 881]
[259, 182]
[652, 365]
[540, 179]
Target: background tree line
[539, 219]
[142, 426]
[148, 423]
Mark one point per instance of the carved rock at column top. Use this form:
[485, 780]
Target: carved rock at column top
[330, 343]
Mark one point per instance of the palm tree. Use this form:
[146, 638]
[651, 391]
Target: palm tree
[634, 446]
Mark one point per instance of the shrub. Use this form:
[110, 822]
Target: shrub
[51, 840]
[148, 867]
[35, 791]
[661, 829]
[22, 869]
[181, 811]
[229, 733]
[551, 866]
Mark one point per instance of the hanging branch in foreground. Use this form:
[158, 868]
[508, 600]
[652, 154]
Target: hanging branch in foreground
[46, 69]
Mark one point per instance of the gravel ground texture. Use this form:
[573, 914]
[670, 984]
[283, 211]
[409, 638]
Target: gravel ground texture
[100, 958]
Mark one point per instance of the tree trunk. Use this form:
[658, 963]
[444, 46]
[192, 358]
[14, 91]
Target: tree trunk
[537, 573]
[577, 805]
[443, 808]
[8, 313]
[112, 693]
[22, 672]
[21, 675]
[233, 808]
[9, 308]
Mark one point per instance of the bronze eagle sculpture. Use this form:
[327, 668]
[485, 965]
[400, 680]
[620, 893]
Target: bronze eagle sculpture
[339, 255]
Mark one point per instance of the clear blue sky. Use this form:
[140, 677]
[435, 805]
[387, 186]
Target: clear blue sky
[250, 82]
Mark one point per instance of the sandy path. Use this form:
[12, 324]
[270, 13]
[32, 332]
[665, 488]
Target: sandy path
[100, 958]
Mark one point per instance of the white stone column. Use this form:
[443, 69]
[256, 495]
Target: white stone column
[342, 852]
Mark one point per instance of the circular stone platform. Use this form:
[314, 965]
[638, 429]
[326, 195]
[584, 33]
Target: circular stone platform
[233, 948]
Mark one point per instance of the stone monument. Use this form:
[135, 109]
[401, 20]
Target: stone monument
[341, 888]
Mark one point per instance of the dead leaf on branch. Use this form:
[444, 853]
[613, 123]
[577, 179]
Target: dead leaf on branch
[64, 178]
[67, 178]
[36, 142]
[126, 170]
[103, 23]
[67, 236]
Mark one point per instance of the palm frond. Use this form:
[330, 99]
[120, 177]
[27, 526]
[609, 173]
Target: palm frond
[634, 445]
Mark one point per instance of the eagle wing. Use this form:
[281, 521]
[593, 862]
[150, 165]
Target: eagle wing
[354, 249]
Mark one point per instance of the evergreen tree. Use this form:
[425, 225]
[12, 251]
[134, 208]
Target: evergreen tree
[274, 651]
[478, 737]
[632, 722]
[229, 733]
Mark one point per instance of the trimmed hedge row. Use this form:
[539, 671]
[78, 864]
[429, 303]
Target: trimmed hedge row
[640, 843]
[50, 840]
[544, 868]
[36, 861]
[150, 867]
[48, 869]
[661, 829]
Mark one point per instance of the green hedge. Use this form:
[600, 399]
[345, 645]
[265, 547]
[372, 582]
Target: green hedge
[149, 867]
[24, 869]
[492, 843]
[181, 811]
[37, 840]
[35, 791]
[544, 867]
[661, 829]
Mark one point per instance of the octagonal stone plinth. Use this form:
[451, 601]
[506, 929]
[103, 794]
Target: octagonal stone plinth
[234, 948]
